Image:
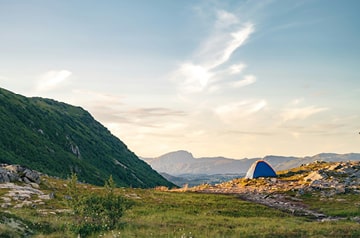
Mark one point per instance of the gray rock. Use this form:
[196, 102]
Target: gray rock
[4, 178]
[32, 176]
[26, 180]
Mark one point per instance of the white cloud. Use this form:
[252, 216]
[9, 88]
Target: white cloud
[234, 111]
[248, 79]
[192, 78]
[301, 113]
[225, 19]
[52, 79]
[219, 47]
[238, 39]
[206, 74]
[236, 68]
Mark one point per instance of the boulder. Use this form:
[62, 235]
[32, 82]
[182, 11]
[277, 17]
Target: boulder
[33, 176]
[313, 176]
[15, 173]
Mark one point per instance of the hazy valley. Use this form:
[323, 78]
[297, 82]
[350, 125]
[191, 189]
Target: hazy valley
[180, 167]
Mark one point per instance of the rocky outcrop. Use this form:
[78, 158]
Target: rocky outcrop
[22, 185]
[18, 173]
[318, 178]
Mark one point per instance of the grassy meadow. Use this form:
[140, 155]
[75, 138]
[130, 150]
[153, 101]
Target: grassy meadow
[154, 213]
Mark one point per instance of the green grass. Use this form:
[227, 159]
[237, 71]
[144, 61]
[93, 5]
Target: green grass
[165, 214]
[186, 214]
[340, 205]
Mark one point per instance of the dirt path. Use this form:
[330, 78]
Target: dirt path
[285, 203]
[276, 200]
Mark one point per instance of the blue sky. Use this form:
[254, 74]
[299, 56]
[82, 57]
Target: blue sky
[231, 78]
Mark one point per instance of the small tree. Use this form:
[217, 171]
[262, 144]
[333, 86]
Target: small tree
[95, 212]
[110, 186]
[73, 192]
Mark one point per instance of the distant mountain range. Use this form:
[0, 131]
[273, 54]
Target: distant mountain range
[181, 167]
[59, 139]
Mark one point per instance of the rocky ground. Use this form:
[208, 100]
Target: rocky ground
[284, 192]
[21, 186]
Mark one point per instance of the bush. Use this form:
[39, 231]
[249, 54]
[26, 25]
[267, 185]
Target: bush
[96, 212]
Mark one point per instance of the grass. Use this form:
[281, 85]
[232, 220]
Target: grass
[210, 215]
[186, 214]
[341, 205]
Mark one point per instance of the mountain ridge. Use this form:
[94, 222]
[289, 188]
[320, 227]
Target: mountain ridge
[223, 165]
[59, 139]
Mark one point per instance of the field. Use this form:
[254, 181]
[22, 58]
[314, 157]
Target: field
[154, 213]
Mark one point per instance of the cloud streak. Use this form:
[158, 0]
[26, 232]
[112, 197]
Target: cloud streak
[220, 46]
[231, 112]
[204, 72]
[248, 79]
[52, 79]
[301, 113]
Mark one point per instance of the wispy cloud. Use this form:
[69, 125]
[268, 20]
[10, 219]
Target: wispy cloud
[234, 111]
[248, 79]
[225, 19]
[301, 113]
[204, 72]
[52, 79]
[112, 109]
[219, 47]
[236, 68]
[156, 112]
[194, 78]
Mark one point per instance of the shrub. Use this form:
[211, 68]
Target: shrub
[96, 212]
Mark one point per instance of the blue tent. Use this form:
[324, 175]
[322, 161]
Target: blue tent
[260, 169]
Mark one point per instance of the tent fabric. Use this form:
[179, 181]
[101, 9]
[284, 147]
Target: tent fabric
[260, 169]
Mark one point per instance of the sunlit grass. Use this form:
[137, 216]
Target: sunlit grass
[340, 205]
[188, 214]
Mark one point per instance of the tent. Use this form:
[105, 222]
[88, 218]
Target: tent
[260, 168]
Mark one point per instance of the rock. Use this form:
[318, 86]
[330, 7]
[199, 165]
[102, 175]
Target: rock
[313, 176]
[35, 185]
[13, 177]
[45, 197]
[32, 176]
[4, 178]
[17, 173]
[14, 168]
[340, 190]
[5, 205]
[26, 180]
[335, 167]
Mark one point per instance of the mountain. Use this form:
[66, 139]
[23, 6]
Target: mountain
[183, 162]
[57, 139]
[183, 165]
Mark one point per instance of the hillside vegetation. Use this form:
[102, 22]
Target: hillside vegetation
[57, 139]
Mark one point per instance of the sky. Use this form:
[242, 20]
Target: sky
[239, 79]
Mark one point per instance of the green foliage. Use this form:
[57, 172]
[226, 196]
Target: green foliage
[339, 205]
[96, 212]
[59, 139]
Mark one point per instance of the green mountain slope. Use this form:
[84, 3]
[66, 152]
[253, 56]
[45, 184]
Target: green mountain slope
[56, 138]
